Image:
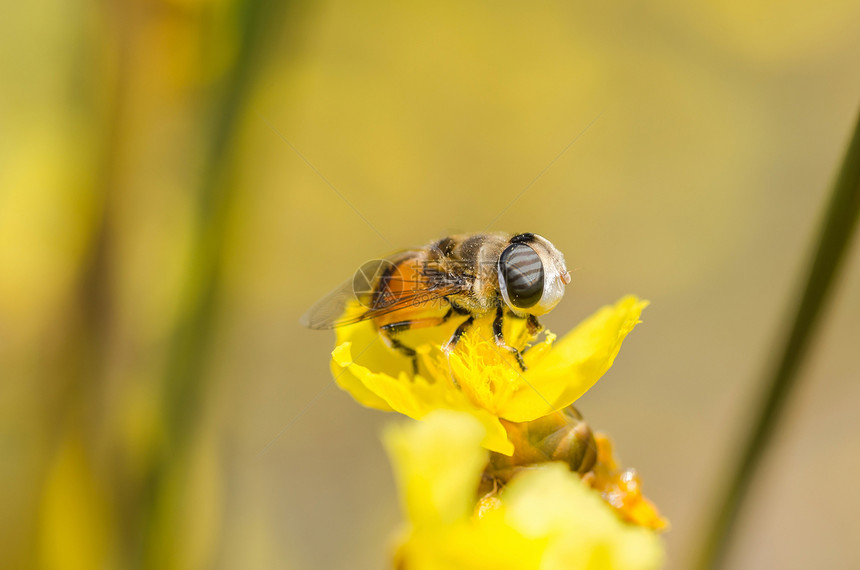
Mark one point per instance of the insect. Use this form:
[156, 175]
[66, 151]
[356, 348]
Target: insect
[466, 276]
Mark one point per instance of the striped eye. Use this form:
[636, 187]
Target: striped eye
[521, 276]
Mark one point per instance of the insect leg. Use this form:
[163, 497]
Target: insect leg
[389, 330]
[500, 338]
[532, 325]
[455, 338]
[448, 347]
[403, 349]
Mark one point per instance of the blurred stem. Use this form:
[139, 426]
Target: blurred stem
[834, 237]
[191, 343]
[75, 369]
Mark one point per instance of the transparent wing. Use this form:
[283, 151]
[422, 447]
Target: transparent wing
[327, 312]
[379, 287]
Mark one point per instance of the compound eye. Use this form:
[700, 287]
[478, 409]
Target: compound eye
[521, 275]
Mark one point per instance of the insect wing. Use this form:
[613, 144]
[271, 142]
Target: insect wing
[351, 299]
[379, 287]
[326, 312]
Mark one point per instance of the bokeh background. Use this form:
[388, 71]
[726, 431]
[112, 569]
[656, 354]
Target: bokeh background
[180, 179]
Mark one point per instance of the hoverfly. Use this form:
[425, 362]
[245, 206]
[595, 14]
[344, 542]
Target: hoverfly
[463, 276]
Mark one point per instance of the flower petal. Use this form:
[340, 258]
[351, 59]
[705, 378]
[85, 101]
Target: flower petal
[416, 397]
[490, 384]
[341, 359]
[545, 519]
[584, 532]
[437, 464]
[575, 363]
[469, 547]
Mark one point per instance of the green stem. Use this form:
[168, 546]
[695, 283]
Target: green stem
[190, 348]
[834, 237]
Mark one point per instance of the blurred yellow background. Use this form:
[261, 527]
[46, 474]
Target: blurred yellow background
[180, 179]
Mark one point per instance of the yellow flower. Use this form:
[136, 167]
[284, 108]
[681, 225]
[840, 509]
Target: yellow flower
[479, 377]
[622, 488]
[565, 436]
[545, 518]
